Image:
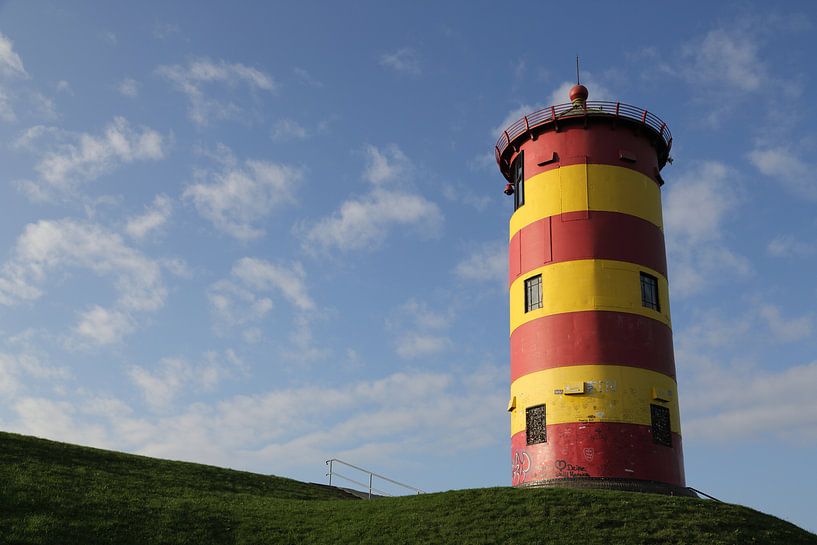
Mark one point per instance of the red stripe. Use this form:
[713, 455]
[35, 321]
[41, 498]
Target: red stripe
[588, 337]
[601, 235]
[606, 144]
[600, 449]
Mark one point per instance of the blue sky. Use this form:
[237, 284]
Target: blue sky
[261, 236]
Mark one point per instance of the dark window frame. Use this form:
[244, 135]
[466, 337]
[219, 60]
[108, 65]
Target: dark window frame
[518, 180]
[650, 296]
[532, 282]
[536, 425]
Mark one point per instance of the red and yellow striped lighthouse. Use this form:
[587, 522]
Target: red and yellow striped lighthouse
[594, 400]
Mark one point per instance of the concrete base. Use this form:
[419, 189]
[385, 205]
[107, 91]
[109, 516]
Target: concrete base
[628, 485]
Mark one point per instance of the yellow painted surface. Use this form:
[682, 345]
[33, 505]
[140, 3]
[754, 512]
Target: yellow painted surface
[588, 187]
[588, 284]
[613, 393]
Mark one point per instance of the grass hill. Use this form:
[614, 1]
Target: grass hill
[55, 493]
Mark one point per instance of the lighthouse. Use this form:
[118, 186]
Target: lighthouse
[594, 399]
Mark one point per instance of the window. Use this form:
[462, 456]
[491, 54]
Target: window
[536, 425]
[533, 293]
[518, 180]
[649, 292]
[661, 432]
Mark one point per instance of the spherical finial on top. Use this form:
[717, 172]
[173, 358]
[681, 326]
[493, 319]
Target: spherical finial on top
[578, 92]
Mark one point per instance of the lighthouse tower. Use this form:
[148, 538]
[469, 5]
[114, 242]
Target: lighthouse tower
[594, 401]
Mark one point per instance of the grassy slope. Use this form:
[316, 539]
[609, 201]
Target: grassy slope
[63, 494]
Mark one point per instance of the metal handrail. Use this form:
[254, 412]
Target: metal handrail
[552, 114]
[371, 474]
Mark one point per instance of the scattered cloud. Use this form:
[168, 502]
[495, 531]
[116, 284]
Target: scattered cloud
[192, 79]
[245, 297]
[789, 246]
[784, 330]
[458, 193]
[15, 368]
[10, 62]
[306, 78]
[236, 197]
[163, 30]
[725, 59]
[161, 386]
[288, 129]
[103, 326]
[364, 222]
[788, 169]
[404, 60]
[487, 263]
[66, 160]
[154, 217]
[420, 330]
[50, 246]
[698, 256]
[762, 403]
[384, 422]
[128, 87]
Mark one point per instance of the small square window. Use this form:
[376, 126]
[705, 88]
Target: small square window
[661, 431]
[518, 180]
[533, 293]
[649, 292]
[536, 425]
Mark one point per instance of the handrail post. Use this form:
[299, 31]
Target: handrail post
[370, 485]
[330, 472]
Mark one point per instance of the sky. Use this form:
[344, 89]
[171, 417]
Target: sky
[261, 235]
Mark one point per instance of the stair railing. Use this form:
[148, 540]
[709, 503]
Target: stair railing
[371, 475]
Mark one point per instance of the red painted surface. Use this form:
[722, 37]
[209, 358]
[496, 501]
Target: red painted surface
[598, 449]
[591, 337]
[603, 235]
[602, 144]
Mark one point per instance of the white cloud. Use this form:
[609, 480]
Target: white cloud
[364, 222]
[6, 109]
[154, 217]
[306, 78]
[128, 87]
[14, 367]
[67, 160]
[757, 404]
[163, 385]
[288, 129]
[789, 246]
[697, 203]
[488, 263]
[10, 62]
[56, 245]
[414, 345]
[404, 60]
[244, 297]
[385, 422]
[724, 59]
[191, 79]
[419, 330]
[237, 197]
[385, 166]
[264, 276]
[103, 326]
[787, 169]
[784, 330]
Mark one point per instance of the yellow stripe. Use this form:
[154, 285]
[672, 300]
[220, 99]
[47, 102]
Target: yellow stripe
[588, 187]
[588, 284]
[613, 393]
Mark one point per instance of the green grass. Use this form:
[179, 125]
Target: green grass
[54, 493]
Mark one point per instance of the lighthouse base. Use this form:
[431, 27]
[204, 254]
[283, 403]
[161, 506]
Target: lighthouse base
[601, 483]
